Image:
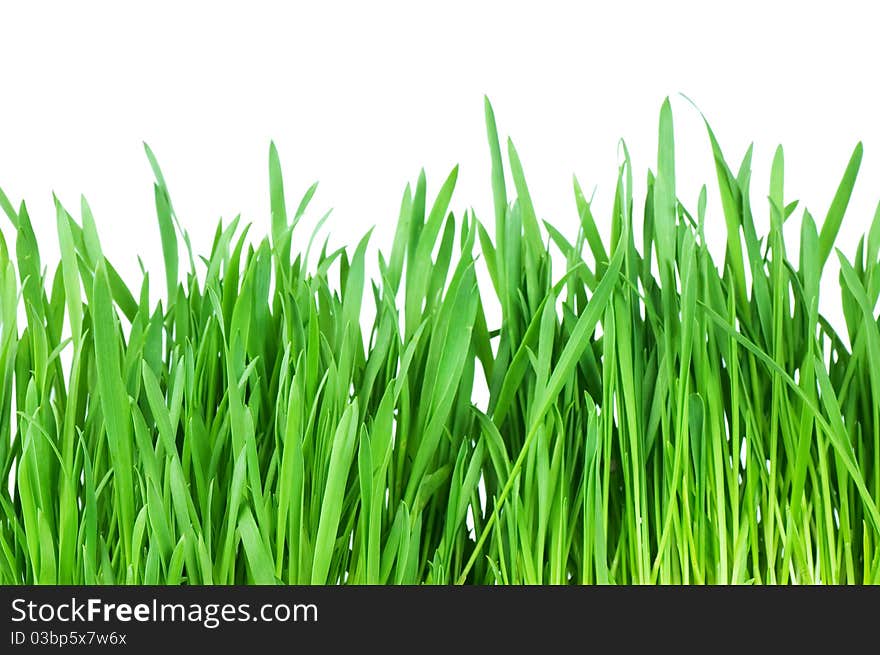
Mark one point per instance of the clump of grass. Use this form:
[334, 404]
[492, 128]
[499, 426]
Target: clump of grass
[652, 417]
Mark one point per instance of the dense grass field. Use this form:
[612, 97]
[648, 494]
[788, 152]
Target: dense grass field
[653, 416]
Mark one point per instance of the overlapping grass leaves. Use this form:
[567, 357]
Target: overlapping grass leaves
[653, 416]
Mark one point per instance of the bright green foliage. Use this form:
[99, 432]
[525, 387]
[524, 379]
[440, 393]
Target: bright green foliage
[652, 417]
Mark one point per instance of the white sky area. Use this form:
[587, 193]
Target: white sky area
[360, 96]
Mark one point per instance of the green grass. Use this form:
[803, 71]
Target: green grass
[653, 416]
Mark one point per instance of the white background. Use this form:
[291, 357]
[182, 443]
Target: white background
[361, 95]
